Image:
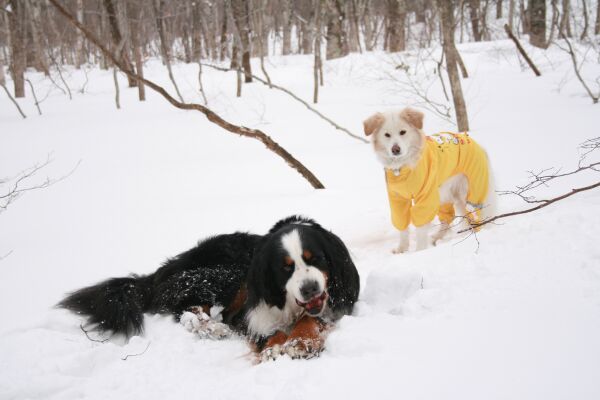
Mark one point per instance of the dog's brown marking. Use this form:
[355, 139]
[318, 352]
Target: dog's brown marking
[238, 302]
[288, 261]
[373, 123]
[279, 338]
[307, 255]
[308, 329]
[413, 117]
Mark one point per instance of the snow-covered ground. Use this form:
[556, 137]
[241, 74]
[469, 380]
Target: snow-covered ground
[517, 316]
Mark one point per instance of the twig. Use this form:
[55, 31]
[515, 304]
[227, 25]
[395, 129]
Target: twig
[37, 103]
[14, 101]
[6, 255]
[274, 86]
[135, 355]
[210, 115]
[88, 336]
[7, 198]
[522, 51]
[475, 225]
[571, 52]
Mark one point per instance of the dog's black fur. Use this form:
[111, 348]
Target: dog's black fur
[214, 273]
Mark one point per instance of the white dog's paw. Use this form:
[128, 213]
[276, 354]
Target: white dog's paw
[190, 321]
[400, 249]
[271, 353]
[204, 326]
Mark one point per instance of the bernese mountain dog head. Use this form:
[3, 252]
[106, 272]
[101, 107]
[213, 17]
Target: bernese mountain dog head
[299, 269]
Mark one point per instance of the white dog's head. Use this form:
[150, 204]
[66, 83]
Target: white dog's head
[397, 137]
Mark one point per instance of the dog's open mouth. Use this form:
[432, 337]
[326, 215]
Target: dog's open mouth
[315, 305]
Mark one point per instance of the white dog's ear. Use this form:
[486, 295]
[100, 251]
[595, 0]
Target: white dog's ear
[373, 123]
[413, 117]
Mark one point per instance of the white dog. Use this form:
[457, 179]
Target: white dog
[443, 174]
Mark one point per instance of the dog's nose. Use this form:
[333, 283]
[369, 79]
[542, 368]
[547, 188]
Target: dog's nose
[310, 289]
[395, 149]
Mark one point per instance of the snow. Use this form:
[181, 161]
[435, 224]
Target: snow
[513, 313]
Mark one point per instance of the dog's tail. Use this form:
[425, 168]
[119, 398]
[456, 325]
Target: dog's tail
[117, 304]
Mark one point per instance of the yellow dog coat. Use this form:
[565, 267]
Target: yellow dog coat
[414, 192]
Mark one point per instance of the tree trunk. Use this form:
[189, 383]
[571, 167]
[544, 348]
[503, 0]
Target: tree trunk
[537, 23]
[158, 8]
[317, 51]
[117, 37]
[498, 9]
[286, 15]
[135, 13]
[511, 14]
[17, 30]
[242, 22]
[223, 45]
[396, 27]
[474, 13]
[337, 43]
[446, 9]
[565, 24]
[597, 27]
[80, 44]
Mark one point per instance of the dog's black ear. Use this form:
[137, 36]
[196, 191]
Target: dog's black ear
[344, 281]
[413, 117]
[260, 283]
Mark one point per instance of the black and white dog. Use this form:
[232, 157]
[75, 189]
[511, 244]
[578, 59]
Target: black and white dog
[281, 290]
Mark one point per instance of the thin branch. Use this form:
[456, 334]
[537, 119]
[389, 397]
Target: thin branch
[37, 103]
[476, 225]
[594, 97]
[138, 354]
[210, 115]
[14, 101]
[17, 190]
[290, 93]
[522, 51]
[6, 255]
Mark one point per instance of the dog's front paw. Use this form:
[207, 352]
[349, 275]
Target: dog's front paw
[303, 348]
[204, 326]
[271, 353]
[190, 321]
[400, 249]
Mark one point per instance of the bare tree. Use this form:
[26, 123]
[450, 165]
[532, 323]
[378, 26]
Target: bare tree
[255, 134]
[242, 22]
[537, 23]
[597, 26]
[158, 7]
[3, 84]
[17, 30]
[396, 25]
[446, 9]
[337, 42]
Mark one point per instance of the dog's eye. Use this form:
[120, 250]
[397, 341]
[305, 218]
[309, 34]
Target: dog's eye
[402, 132]
[387, 135]
[288, 263]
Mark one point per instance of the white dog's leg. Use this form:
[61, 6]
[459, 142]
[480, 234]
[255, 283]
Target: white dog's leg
[403, 245]
[423, 237]
[441, 233]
